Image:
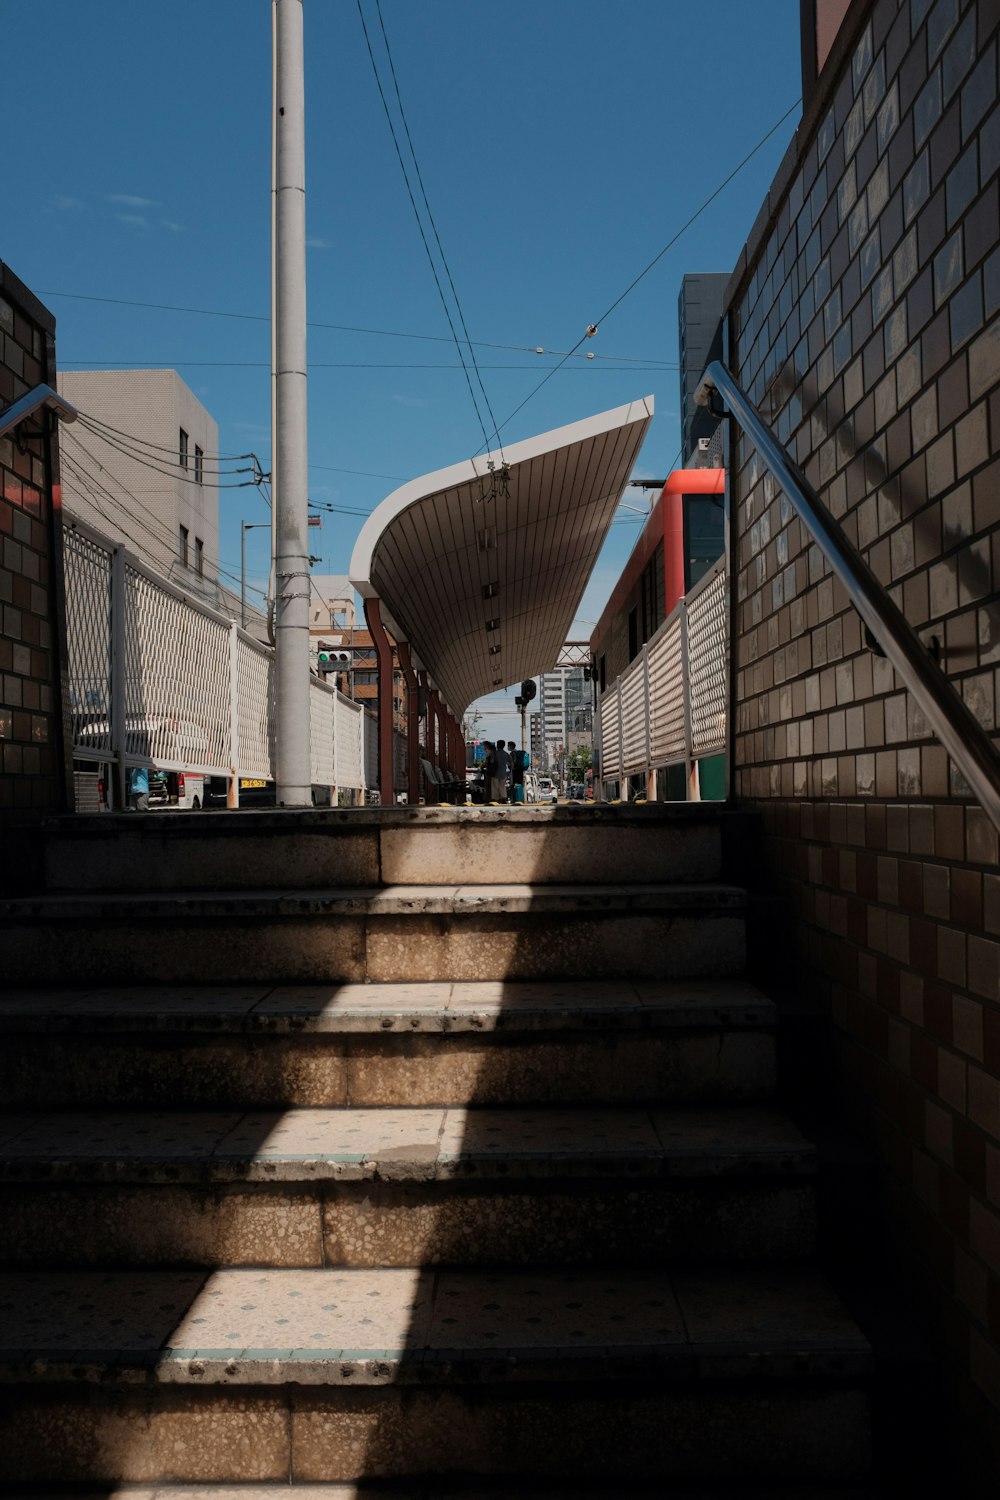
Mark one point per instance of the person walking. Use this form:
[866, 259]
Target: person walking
[503, 771]
[138, 789]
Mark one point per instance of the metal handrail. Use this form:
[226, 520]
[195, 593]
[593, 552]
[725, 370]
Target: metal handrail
[959, 731]
[32, 401]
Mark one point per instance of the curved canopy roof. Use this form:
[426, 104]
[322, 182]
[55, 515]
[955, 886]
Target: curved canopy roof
[482, 566]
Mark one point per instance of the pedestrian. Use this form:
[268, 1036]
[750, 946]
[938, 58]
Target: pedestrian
[138, 789]
[503, 771]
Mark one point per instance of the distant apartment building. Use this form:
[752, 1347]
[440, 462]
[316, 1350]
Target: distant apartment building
[699, 327]
[564, 718]
[146, 473]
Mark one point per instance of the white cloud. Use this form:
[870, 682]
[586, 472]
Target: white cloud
[169, 224]
[410, 401]
[129, 200]
[138, 221]
[62, 203]
[313, 242]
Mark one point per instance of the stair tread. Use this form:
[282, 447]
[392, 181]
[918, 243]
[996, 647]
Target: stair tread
[428, 1144]
[369, 901]
[435, 1489]
[431, 1006]
[363, 1327]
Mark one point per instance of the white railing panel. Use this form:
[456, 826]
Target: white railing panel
[254, 709]
[634, 718]
[642, 716]
[666, 695]
[709, 655]
[322, 740]
[350, 764]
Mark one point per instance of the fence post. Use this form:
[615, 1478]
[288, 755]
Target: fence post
[694, 791]
[647, 772]
[622, 783]
[120, 779]
[233, 785]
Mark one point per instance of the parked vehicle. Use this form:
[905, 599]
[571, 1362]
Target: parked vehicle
[153, 738]
[547, 791]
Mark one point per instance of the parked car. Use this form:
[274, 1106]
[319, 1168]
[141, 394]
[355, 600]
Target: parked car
[547, 791]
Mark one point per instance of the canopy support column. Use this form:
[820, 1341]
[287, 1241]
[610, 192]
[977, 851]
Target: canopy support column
[383, 652]
[412, 723]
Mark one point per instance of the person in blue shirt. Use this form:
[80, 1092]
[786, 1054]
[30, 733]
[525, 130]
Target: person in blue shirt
[138, 789]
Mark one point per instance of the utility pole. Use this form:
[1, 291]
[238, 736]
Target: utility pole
[293, 772]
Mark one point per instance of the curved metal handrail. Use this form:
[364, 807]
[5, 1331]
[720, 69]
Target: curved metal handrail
[959, 731]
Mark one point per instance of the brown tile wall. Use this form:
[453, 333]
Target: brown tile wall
[32, 776]
[865, 323]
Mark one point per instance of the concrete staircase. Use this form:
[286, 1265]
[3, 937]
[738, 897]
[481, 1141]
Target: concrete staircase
[429, 1149]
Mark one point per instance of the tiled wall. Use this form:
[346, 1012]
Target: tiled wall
[32, 767]
[865, 322]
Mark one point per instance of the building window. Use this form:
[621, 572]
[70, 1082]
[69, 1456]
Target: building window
[199, 465]
[199, 557]
[183, 447]
[182, 546]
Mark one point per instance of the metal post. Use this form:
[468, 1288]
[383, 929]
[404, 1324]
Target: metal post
[291, 618]
[412, 723]
[383, 652]
[120, 778]
[233, 785]
[693, 788]
[622, 783]
[243, 574]
[650, 777]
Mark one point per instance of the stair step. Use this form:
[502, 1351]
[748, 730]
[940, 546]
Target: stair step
[440, 1006]
[391, 846]
[404, 1187]
[398, 933]
[374, 1045]
[439, 1489]
[349, 1327]
[335, 1374]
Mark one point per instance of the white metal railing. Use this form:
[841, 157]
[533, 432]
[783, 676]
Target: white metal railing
[157, 678]
[669, 706]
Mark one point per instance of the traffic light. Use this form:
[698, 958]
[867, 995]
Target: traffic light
[329, 660]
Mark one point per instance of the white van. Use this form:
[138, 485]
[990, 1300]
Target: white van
[157, 738]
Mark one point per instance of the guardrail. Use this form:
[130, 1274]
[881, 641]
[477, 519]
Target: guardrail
[890, 633]
[157, 678]
[669, 707]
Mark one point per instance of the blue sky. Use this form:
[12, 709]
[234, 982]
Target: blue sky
[562, 144]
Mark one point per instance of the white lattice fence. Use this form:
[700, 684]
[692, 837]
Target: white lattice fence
[88, 628]
[158, 679]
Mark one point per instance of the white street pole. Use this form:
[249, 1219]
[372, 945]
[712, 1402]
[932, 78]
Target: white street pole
[288, 313]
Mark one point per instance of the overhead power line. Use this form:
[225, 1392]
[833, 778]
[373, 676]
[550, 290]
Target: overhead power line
[388, 333]
[592, 327]
[420, 226]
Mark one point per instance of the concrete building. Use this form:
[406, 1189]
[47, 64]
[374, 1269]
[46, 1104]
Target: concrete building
[699, 320]
[564, 719]
[147, 472]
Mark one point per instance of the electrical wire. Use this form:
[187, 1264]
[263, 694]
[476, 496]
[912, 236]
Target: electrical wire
[169, 473]
[146, 522]
[430, 216]
[388, 333]
[420, 227]
[127, 446]
[141, 517]
[263, 364]
[160, 447]
[593, 327]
